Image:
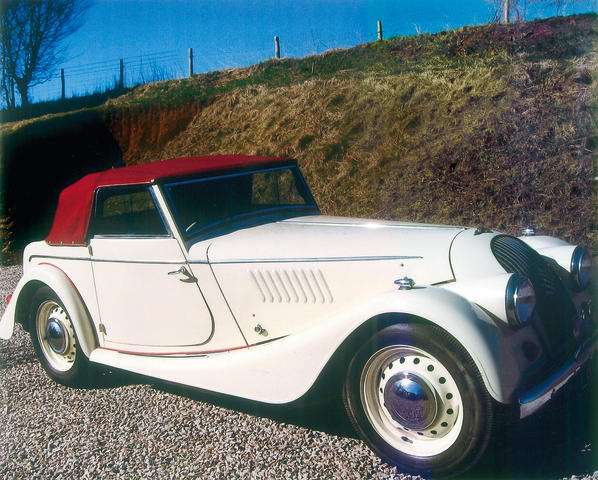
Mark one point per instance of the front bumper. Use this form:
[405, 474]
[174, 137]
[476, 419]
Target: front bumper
[536, 397]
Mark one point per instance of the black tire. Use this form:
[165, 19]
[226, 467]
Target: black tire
[416, 398]
[55, 340]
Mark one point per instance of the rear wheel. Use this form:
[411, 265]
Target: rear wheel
[416, 398]
[55, 340]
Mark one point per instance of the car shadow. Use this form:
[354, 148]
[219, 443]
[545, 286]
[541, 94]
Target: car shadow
[105, 378]
[559, 441]
[316, 411]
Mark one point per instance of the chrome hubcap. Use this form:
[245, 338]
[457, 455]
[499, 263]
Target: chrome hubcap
[411, 400]
[56, 335]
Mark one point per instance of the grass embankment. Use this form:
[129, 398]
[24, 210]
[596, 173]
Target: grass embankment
[487, 126]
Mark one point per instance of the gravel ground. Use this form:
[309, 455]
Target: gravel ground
[134, 427]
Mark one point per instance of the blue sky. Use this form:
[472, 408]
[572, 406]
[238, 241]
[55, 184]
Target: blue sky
[153, 36]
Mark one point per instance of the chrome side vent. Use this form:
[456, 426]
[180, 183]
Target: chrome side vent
[292, 286]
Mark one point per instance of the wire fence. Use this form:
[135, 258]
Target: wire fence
[100, 76]
[96, 77]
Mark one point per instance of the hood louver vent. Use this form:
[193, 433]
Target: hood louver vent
[292, 286]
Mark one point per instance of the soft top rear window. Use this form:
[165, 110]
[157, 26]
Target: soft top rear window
[205, 205]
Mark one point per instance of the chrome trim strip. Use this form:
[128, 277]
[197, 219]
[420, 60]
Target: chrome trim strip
[111, 260]
[306, 260]
[56, 257]
[248, 260]
[536, 397]
[372, 225]
[130, 236]
[152, 262]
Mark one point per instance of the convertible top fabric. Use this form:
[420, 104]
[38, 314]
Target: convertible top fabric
[76, 201]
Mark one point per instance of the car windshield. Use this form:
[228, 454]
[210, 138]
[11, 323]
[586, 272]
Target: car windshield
[205, 205]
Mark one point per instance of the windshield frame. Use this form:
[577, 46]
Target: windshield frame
[233, 222]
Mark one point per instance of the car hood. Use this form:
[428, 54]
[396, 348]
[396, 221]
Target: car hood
[322, 238]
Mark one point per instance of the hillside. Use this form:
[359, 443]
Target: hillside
[488, 126]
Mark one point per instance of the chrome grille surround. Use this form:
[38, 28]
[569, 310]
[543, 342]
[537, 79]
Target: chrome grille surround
[555, 311]
[516, 256]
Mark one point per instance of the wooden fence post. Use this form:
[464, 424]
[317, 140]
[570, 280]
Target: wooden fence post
[506, 11]
[379, 30]
[121, 82]
[190, 62]
[62, 82]
[276, 47]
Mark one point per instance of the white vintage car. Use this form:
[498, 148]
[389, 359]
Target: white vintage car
[220, 273]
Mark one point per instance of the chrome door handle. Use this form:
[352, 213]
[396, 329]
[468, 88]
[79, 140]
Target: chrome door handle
[184, 271]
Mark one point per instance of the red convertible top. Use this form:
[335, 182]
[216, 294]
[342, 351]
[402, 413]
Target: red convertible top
[76, 201]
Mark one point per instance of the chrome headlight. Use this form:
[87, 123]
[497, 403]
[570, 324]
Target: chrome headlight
[520, 300]
[581, 268]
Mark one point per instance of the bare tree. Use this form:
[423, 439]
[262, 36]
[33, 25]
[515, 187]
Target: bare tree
[514, 10]
[7, 86]
[32, 34]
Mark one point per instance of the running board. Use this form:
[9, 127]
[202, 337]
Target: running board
[277, 372]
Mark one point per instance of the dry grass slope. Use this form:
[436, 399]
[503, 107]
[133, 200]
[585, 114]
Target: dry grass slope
[488, 126]
[497, 130]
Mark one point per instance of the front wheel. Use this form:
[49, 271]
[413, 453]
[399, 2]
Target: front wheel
[55, 340]
[416, 398]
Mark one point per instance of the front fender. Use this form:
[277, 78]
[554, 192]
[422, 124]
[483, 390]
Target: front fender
[283, 370]
[488, 340]
[61, 284]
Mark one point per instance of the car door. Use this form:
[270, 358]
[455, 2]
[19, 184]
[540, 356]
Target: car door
[146, 293]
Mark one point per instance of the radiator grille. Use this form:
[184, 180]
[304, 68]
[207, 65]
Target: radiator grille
[517, 257]
[552, 300]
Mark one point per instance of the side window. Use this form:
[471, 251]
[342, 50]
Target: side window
[126, 211]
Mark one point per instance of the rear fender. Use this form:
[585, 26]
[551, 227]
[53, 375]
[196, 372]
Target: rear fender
[53, 277]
